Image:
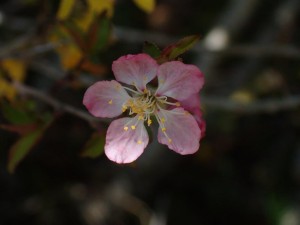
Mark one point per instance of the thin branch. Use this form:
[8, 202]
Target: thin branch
[59, 106]
[258, 106]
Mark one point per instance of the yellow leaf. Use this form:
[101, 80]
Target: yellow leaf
[242, 96]
[70, 56]
[6, 90]
[65, 8]
[68, 52]
[146, 5]
[15, 68]
[95, 7]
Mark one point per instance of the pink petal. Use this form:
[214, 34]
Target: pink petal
[182, 133]
[105, 99]
[135, 69]
[178, 80]
[192, 104]
[125, 146]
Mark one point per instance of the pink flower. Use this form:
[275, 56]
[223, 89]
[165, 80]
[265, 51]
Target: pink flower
[178, 84]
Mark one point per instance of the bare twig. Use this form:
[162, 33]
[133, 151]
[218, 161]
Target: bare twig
[258, 106]
[29, 91]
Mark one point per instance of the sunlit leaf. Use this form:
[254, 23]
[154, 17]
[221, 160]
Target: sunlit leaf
[146, 5]
[15, 68]
[95, 8]
[65, 8]
[151, 49]
[172, 51]
[95, 146]
[7, 90]
[100, 6]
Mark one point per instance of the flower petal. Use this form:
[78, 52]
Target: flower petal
[135, 69]
[178, 80]
[192, 104]
[181, 132]
[105, 99]
[124, 144]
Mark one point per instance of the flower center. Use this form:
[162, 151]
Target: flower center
[144, 104]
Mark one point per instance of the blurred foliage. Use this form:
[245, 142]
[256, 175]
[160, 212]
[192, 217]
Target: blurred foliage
[247, 170]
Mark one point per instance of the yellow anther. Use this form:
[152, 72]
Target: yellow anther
[163, 129]
[139, 142]
[133, 127]
[145, 91]
[110, 102]
[162, 120]
[124, 108]
[169, 140]
[125, 128]
[149, 122]
[177, 104]
[140, 118]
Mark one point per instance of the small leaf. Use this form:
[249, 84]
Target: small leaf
[22, 147]
[65, 8]
[99, 33]
[27, 141]
[90, 67]
[151, 49]
[15, 68]
[172, 51]
[145, 5]
[20, 128]
[95, 146]
[16, 115]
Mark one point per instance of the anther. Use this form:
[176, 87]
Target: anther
[177, 104]
[139, 142]
[162, 120]
[169, 140]
[133, 127]
[110, 102]
[149, 122]
[163, 129]
[125, 128]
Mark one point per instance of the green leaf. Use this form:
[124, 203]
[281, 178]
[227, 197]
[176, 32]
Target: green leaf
[99, 33]
[172, 51]
[22, 147]
[151, 49]
[95, 146]
[16, 115]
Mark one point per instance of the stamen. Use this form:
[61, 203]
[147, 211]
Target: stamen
[149, 122]
[133, 91]
[125, 128]
[133, 127]
[139, 142]
[110, 102]
[163, 129]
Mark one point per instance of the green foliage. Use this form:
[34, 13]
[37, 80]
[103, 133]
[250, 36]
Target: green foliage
[95, 146]
[151, 49]
[22, 147]
[99, 34]
[174, 50]
[17, 114]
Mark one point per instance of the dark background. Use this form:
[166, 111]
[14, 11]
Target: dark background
[247, 170]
